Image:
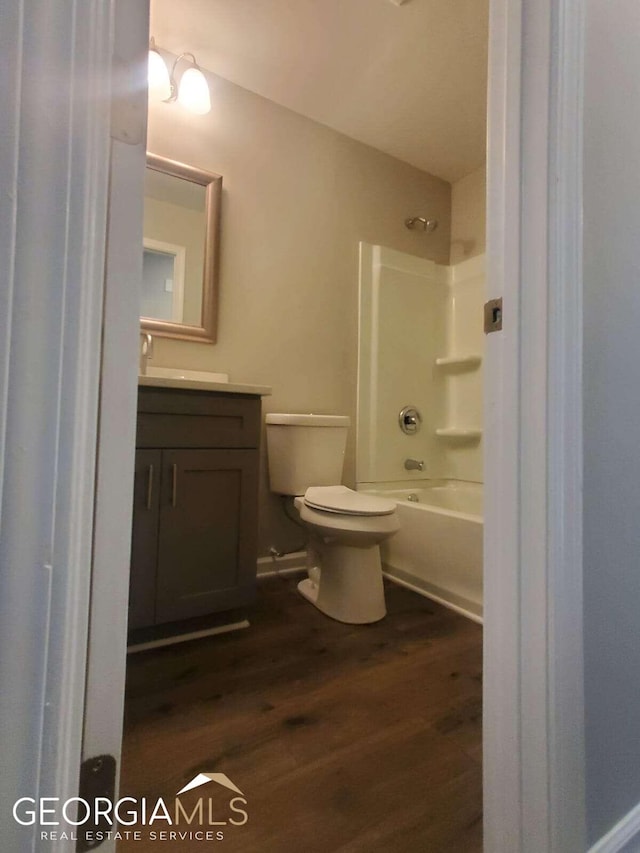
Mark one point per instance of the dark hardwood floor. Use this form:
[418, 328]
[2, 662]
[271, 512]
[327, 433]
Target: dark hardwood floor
[342, 738]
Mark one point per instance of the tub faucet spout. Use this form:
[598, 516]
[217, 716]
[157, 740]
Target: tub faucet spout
[414, 465]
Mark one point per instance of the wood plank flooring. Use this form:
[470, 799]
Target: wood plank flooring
[343, 739]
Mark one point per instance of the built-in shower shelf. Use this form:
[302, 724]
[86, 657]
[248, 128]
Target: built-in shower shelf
[462, 361]
[459, 434]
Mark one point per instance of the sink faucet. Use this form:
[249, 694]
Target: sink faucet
[414, 465]
[146, 352]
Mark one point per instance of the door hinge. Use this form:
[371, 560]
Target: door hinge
[97, 779]
[493, 316]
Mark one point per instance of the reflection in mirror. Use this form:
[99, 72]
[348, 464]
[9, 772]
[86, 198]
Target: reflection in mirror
[181, 224]
[174, 230]
[163, 290]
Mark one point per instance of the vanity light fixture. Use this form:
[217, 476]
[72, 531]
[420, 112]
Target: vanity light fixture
[158, 76]
[192, 91]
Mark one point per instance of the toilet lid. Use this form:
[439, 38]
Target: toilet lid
[343, 500]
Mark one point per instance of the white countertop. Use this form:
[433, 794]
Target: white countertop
[204, 385]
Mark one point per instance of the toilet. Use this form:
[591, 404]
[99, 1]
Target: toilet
[306, 457]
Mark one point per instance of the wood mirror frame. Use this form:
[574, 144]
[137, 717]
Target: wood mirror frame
[207, 331]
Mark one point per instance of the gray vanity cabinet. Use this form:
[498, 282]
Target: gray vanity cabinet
[194, 545]
[144, 539]
[206, 551]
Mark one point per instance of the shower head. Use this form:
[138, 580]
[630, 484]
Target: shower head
[420, 222]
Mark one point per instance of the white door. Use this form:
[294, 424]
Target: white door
[59, 377]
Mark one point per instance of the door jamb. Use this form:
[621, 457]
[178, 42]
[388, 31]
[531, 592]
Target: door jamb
[534, 704]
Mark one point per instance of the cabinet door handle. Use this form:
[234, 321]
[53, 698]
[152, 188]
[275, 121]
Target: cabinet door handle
[149, 486]
[174, 485]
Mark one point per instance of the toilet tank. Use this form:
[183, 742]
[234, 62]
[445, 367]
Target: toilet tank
[305, 450]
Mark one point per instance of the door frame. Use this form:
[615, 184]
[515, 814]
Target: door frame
[533, 658]
[115, 459]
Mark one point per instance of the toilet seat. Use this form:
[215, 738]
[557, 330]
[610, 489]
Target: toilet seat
[344, 501]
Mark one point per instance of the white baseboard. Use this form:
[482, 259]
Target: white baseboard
[621, 834]
[184, 638]
[290, 564]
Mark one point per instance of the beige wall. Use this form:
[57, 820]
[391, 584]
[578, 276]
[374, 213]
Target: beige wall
[468, 221]
[297, 198]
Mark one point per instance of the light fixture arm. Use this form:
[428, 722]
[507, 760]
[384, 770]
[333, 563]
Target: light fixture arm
[172, 75]
[193, 91]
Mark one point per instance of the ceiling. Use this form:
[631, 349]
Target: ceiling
[409, 80]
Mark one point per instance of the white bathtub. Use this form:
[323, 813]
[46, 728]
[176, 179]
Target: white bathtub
[438, 550]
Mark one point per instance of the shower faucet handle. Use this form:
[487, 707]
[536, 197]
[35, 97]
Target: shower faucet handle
[414, 464]
[409, 420]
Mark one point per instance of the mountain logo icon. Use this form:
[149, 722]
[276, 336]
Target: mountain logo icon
[205, 778]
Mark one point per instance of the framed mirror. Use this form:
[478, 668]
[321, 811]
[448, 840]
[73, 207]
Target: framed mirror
[181, 246]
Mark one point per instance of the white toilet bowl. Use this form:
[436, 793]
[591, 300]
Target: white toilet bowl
[306, 456]
[343, 556]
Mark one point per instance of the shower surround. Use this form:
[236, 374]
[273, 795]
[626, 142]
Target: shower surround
[421, 345]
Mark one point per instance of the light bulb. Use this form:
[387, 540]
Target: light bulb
[193, 91]
[158, 79]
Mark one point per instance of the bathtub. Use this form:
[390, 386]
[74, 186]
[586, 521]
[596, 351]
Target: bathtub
[438, 550]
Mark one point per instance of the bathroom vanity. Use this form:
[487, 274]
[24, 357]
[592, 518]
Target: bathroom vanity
[194, 543]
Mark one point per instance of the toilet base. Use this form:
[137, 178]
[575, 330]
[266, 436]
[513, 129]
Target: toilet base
[350, 588]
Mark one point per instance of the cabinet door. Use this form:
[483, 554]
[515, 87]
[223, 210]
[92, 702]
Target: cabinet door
[144, 541]
[207, 540]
